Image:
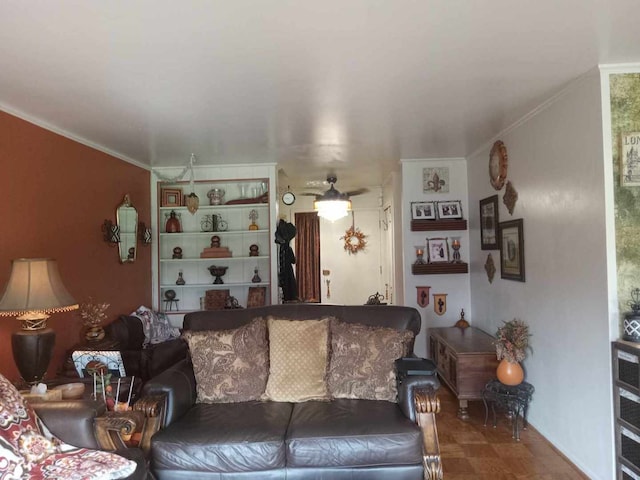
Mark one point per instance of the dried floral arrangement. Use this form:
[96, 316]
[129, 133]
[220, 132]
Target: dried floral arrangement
[92, 313]
[512, 341]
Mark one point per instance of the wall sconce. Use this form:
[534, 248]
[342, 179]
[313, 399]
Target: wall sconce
[145, 234]
[111, 232]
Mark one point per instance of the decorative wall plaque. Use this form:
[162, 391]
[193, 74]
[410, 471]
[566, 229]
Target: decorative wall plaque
[490, 268]
[510, 197]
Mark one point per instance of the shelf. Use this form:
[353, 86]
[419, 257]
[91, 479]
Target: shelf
[217, 207]
[439, 268]
[209, 260]
[215, 286]
[208, 234]
[436, 225]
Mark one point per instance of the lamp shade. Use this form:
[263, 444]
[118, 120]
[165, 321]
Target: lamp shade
[35, 286]
[332, 209]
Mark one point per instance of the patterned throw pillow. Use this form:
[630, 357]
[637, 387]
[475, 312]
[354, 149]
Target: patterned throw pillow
[230, 365]
[298, 360]
[362, 360]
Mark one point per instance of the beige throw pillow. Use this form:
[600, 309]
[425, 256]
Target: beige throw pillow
[362, 360]
[298, 360]
[230, 365]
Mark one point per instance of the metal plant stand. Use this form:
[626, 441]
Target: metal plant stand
[514, 399]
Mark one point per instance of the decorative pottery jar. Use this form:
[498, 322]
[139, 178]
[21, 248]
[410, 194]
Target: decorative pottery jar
[510, 373]
[173, 223]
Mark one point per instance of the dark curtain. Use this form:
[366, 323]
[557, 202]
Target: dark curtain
[308, 256]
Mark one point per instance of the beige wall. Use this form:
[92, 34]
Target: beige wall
[556, 163]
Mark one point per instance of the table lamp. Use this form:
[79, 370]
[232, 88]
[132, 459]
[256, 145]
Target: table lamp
[34, 291]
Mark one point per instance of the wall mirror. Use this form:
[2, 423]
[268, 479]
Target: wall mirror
[127, 219]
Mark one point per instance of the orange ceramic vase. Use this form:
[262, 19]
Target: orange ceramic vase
[510, 373]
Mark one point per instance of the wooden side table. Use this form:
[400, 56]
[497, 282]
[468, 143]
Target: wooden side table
[515, 399]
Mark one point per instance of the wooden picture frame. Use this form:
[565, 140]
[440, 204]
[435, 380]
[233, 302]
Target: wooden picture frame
[489, 220]
[257, 297]
[451, 209]
[423, 210]
[437, 250]
[511, 236]
[171, 197]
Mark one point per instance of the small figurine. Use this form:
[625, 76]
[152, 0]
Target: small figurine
[180, 280]
[177, 253]
[215, 241]
[253, 250]
[256, 278]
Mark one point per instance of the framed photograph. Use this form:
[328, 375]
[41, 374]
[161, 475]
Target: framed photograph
[423, 210]
[450, 210]
[171, 197]
[435, 180]
[489, 223]
[511, 236]
[437, 250]
[630, 160]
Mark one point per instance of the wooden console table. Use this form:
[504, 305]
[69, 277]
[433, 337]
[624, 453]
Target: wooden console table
[466, 361]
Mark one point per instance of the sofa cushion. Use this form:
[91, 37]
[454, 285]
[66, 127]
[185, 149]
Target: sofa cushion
[224, 438]
[351, 433]
[230, 365]
[362, 360]
[298, 360]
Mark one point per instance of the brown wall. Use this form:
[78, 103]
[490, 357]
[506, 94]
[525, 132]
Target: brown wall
[55, 193]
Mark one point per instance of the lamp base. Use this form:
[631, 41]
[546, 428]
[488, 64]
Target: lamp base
[32, 352]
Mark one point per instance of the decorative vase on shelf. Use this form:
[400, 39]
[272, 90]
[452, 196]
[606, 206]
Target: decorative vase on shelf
[173, 223]
[510, 373]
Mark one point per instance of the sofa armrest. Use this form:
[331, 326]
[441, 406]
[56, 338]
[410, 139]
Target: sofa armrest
[178, 385]
[427, 405]
[72, 420]
[407, 386]
[156, 358]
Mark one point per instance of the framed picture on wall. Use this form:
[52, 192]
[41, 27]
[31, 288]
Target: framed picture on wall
[435, 180]
[437, 250]
[489, 223]
[423, 210]
[511, 236]
[450, 210]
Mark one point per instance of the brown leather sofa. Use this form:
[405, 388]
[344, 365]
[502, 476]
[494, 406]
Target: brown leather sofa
[337, 439]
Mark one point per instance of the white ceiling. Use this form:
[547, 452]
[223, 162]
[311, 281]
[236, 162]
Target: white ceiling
[350, 86]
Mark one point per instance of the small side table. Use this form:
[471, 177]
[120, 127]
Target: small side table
[514, 399]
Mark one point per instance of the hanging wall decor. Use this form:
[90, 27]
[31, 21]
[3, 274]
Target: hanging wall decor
[354, 239]
[510, 197]
[423, 296]
[435, 180]
[490, 268]
[440, 303]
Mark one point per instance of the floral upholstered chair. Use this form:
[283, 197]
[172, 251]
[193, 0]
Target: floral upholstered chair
[29, 451]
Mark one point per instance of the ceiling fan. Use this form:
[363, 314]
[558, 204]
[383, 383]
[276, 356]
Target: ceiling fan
[333, 204]
[332, 193]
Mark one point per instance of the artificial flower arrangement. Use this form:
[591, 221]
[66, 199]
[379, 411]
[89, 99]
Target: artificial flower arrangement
[92, 314]
[512, 341]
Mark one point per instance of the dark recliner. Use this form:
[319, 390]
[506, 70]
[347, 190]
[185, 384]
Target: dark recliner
[143, 362]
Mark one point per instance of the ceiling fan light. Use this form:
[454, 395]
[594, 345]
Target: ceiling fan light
[332, 210]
